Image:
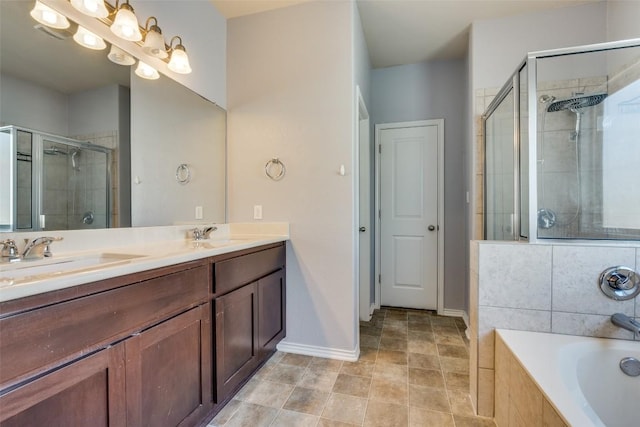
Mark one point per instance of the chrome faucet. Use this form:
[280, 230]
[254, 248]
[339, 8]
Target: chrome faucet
[9, 251]
[39, 247]
[204, 233]
[627, 323]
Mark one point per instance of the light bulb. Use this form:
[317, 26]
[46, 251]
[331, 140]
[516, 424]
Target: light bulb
[120, 57]
[146, 71]
[49, 17]
[179, 62]
[94, 8]
[88, 39]
[125, 24]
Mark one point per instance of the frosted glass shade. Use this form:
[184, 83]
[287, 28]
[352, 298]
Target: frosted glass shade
[89, 40]
[95, 8]
[146, 71]
[154, 43]
[125, 25]
[120, 57]
[179, 62]
[49, 17]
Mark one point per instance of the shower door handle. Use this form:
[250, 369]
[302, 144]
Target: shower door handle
[431, 228]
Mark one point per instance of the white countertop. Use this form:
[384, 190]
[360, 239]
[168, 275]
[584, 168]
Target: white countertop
[95, 255]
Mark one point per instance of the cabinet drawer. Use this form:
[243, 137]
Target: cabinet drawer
[33, 341]
[235, 272]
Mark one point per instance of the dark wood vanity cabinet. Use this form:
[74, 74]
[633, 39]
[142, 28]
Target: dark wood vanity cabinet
[250, 319]
[157, 348]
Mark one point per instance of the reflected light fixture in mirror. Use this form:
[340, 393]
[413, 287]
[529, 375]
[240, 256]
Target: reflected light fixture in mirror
[179, 62]
[125, 24]
[146, 71]
[120, 57]
[49, 17]
[89, 40]
[153, 40]
[94, 8]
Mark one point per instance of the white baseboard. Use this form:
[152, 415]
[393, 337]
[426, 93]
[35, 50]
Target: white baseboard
[311, 350]
[371, 309]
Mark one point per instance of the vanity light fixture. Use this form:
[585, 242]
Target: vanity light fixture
[120, 57]
[146, 71]
[88, 39]
[49, 17]
[179, 62]
[153, 40]
[125, 24]
[94, 8]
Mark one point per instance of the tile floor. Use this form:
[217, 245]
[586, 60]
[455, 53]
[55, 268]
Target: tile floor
[413, 371]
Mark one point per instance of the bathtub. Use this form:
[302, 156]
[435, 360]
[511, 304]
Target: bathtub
[580, 376]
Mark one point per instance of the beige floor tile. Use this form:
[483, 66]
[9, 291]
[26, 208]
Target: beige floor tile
[392, 356]
[422, 347]
[460, 402]
[348, 409]
[318, 379]
[325, 364]
[296, 360]
[445, 330]
[367, 341]
[419, 327]
[387, 390]
[399, 344]
[359, 368]
[458, 351]
[370, 330]
[462, 421]
[420, 417]
[352, 385]
[431, 398]
[455, 364]
[421, 336]
[286, 374]
[225, 413]
[265, 393]
[368, 355]
[423, 361]
[426, 377]
[456, 380]
[449, 339]
[390, 371]
[325, 422]
[443, 320]
[251, 415]
[383, 414]
[306, 400]
[394, 333]
[294, 419]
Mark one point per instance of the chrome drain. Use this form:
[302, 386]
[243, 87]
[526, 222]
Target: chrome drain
[630, 366]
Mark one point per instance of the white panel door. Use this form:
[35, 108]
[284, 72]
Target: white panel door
[409, 217]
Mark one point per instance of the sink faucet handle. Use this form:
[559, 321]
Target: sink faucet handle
[39, 247]
[9, 249]
[208, 230]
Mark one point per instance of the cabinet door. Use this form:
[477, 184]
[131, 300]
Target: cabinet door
[236, 338]
[168, 379]
[88, 392]
[271, 312]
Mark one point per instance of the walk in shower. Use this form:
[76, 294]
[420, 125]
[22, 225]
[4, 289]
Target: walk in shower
[562, 147]
[49, 182]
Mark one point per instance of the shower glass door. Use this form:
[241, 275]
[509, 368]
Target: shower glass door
[75, 190]
[499, 209]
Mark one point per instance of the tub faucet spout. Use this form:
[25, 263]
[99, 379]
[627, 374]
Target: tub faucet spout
[627, 323]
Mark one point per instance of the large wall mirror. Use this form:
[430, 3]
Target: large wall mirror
[85, 143]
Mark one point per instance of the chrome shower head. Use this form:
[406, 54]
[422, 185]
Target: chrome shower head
[577, 103]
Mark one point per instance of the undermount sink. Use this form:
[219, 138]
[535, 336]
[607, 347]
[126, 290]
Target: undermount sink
[23, 271]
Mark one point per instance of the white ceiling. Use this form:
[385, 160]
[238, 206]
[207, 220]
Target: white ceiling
[409, 31]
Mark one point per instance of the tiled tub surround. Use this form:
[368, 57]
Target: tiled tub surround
[540, 288]
[563, 380]
[155, 246]
[413, 371]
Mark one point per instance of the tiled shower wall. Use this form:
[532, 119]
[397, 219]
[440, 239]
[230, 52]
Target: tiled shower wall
[539, 287]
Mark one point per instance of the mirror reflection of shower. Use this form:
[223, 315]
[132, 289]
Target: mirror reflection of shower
[66, 186]
[578, 105]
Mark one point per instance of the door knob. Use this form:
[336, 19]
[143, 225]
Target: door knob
[362, 229]
[431, 227]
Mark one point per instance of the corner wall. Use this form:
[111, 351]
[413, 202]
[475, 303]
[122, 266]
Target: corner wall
[291, 95]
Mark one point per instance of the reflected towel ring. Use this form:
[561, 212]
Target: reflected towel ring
[275, 163]
[183, 174]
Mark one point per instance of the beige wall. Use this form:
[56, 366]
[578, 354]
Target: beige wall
[291, 95]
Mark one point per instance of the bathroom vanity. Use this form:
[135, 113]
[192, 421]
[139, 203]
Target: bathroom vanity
[164, 346]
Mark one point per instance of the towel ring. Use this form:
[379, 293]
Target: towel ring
[183, 174]
[272, 164]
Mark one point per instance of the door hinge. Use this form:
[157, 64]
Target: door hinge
[379, 278]
[379, 213]
[380, 148]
